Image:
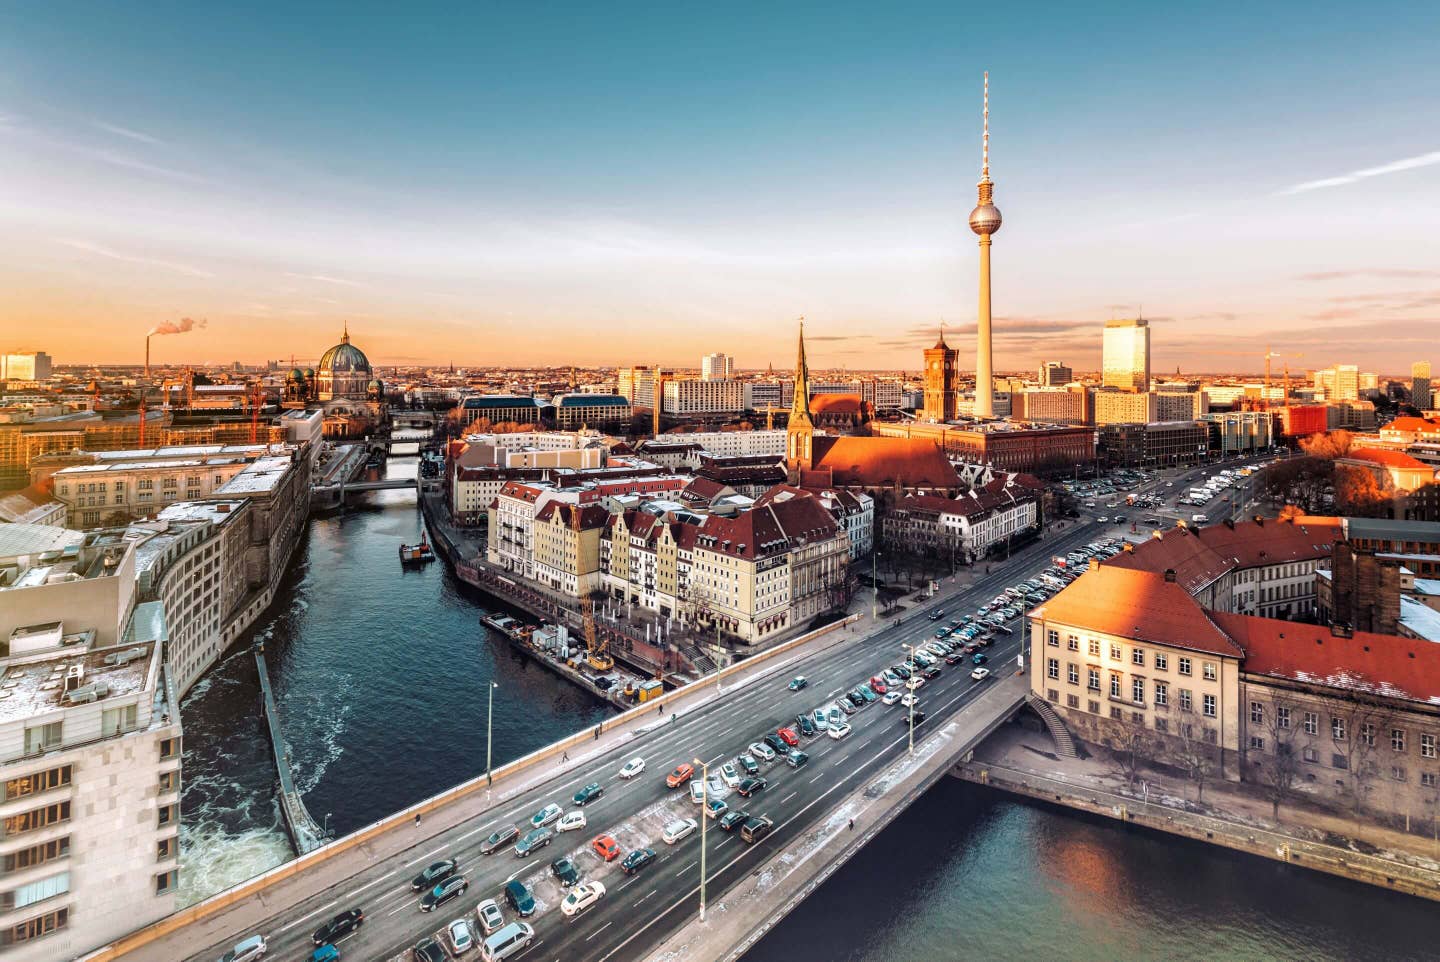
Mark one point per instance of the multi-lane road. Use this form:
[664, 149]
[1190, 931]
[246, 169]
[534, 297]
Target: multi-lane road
[639, 911]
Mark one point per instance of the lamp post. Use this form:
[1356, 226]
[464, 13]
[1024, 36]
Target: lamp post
[910, 658]
[704, 817]
[489, 730]
[874, 583]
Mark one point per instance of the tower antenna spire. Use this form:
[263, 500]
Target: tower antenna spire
[985, 139]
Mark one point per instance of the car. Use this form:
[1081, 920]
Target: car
[979, 658]
[588, 794]
[679, 829]
[548, 815]
[438, 872]
[716, 807]
[891, 680]
[749, 765]
[462, 937]
[891, 697]
[697, 791]
[519, 897]
[868, 694]
[806, 726]
[842, 731]
[570, 821]
[339, 927]
[789, 737]
[493, 842]
[775, 741]
[845, 705]
[428, 950]
[761, 751]
[565, 871]
[750, 786]
[936, 615]
[955, 658]
[798, 682]
[837, 717]
[729, 774]
[532, 841]
[796, 758]
[914, 720]
[732, 818]
[900, 671]
[942, 632]
[490, 916]
[852, 698]
[248, 949]
[680, 775]
[582, 897]
[980, 674]
[606, 847]
[915, 683]
[909, 700]
[632, 768]
[932, 672]
[821, 722]
[452, 887]
[755, 829]
[637, 860]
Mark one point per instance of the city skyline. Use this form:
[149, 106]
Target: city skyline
[519, 177]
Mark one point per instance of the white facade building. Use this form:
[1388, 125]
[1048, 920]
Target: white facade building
[701, 398]
[717, 367]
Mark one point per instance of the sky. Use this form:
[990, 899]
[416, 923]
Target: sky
[628, 183]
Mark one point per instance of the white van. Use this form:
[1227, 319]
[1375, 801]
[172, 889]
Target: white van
[1198, 519]
[508, 942]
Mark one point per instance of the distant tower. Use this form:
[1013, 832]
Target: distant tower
[984, 220]
[941, 362]
[800, 434]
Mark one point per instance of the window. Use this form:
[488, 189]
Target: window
[42, 781]
[1137, 690]
[1072, 701]
[1072, 674]
[1092, 679]
[169, 747]
[1052, 638]
[1184, 666]
[1094, 648]
[168, 814]
[1212, 671]
[37, 891]
[165, 849]
[1257, 713]
[1367, 734]
[1209, 735]
[1117, 714]
[118, 721]
[42, 738]
[1162, 694]
[1310, 755]
[1052, 668]
[34, 928]
[1137, 656]
[1209, 703]
[1339, 761]
[37, 818]
[1312, 723]
[1427, 779]
[1114, 652]
[1114, 685]
[1397, 772]
[1397, 739]
[169, 781]
[1282, 717]
[1162, 661]
[1187, 703]
[1093, 707]
[1072, 642]
[1257, 743]
[1337, 729]
[56, 848]
[1427, 746]
[1162, 725]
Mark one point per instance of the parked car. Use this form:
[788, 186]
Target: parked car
[681, 828]
[762, 751]
[582, 897]
[716, 807]
[749, 765]
[426, 950]
[806, 726]
[789, 737]
[519, 898]
[588, 794]
[796, 758]
[490, 916]
[821, 723]
[775, 741]
[462, 938]
[729, 775]
[606, 847]
[439, 871]
[752, 785]
[730, 819]
[453, 887]
[632, 768]
[891, 697]
[339, 927]
[637, 860]
[565, 871]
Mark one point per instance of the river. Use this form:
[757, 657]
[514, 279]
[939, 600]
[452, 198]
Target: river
[380, 677]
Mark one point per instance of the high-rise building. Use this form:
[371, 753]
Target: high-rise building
[1055, 374]
[941, 363]
[1126, 355]
[1340, 383]
[717, 367]
[984, 221]
[692, 398]
[637, 385]
[1420, 394]
[25, 366]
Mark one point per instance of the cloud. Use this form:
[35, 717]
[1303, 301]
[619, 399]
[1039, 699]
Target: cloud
[100, 250]
[127, 132]
[325, 279]
[835, 337]
[1400, 273]
[1394, 167]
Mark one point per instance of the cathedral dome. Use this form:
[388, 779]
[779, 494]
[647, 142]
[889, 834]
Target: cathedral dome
[344, 358]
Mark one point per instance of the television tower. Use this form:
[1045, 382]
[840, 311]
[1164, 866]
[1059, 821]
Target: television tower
[985, 220]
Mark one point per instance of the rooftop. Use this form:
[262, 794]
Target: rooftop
[27, 539]
[1199, 556]
[1420, 619]
[258, 478]
[36, 686]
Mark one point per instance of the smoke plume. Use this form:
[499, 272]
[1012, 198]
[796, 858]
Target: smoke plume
[176, 327]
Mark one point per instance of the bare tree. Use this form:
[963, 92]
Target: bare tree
[1357, 720]
[1280, 757]
[1195, 758]
[1131, 749]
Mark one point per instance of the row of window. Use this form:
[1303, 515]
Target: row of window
[35, 928]
[1208, 703]
[1161, 660]
[1339, 726]
[36, 782]
[33, 892]
[56, 848]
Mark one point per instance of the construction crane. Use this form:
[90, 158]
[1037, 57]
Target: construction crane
[595, 646]
[1269, 355]
[256, 392]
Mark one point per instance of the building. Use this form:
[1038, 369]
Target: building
[1160, 444]
[1055, 374]
[1420, 392]
[1007, 445]
[769, 395]
[717, 367]
[573, 411]
[985, 221]
[637, 384]
[1239, 432]
[114, 489]
[1411, 430]
[25, 366]
[566, 546]
[501, 409]
[32, 505]
[854, 514]
[700, 399]
[1125, 363]
[1393, 471]
[1053, 405]
[1351, 415]
[962, 529]
[1303, 420]
[1340, 383]
[90, 764]
[941, 372]
[731, 444]
[344, 372]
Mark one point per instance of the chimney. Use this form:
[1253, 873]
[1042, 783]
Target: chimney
[1170, 576]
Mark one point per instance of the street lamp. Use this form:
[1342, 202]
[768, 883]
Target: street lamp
[910, 658]
[489, 730]
[704, 817]
[874, 583]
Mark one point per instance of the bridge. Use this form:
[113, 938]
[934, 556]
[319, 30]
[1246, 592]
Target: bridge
[863, 780]
[304, 833]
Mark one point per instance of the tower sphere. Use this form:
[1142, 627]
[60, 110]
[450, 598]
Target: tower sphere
[985, 219]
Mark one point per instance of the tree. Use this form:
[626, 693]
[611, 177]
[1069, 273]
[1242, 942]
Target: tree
[1330, 445]
[1359, 493]
[1131, 748]
[1306, 482]
[1280, 759]
[1195, 758]
[1357, 720]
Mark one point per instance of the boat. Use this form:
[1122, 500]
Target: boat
[416, 553]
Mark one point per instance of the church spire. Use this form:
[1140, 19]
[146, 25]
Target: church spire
[345, 338]
[800, 406]
[800, 432]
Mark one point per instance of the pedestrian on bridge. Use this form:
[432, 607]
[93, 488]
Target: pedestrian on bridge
[417, 819]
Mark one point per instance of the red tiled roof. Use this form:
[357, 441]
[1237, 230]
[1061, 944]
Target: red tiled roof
[836, 404]
[1140, 605]
[591, 515]
[769, 529]
[1389, 665]
[880, 462]
[1386, 458]
[1413, 425]
[1198, 556]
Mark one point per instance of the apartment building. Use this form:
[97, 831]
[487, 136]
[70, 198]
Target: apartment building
[574, 411]
[963, 529]
[501, 409]
[701, 398]
[112, 491]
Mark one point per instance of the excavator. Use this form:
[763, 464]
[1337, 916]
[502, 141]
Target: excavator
[598, 658]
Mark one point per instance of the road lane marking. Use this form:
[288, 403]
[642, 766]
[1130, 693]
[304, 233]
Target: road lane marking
[314, 913]
[431, 855]
[355, 892]
[643, 898]
[599, 930]
[817, 778]
[687, 868]
[788, 797]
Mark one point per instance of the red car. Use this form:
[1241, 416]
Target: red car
[878, 686]
[788, 736]
[606, 847]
